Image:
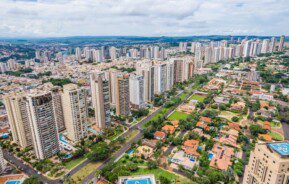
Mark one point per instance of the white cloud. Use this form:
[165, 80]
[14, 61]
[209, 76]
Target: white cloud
[45, 18]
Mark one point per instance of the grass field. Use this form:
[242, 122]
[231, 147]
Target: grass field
[85, 171]
[178, 116]
[72, 163]
[276, 136]
[160, 172]
[228, 115]
[131, 135]
[197, 97]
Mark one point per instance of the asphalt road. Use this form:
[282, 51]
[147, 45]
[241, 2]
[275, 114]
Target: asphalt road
[25, 168]
[128, 144]
[31, 171]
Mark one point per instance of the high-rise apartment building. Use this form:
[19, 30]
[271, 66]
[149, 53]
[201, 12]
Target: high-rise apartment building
[2, 162]
[112, 53]
[75, 111]
[122, 95]
[160, 78]
[136, 91]
[178, 70]
[272, 44]
[78, 53]
[97, 56]
[17, 111]
[170, 75]
[58, 109]
[246, 49]
[281, 43]
[112, 73]
[100, 99]
[265, 46]
[268, 164]
[43, 124]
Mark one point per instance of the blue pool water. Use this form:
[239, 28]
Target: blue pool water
[192, 160]
[281, 148]
[68, 156]
[92, 130]
[13, 182]
[62, 139]
[5, 136]
[200, 148]
[130, 152]
[138, 181]
[211, 155]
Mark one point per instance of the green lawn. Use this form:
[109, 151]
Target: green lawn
[178, 116]
[85, 171]
[72, 163]
[276, 136]
[160, 172]
[273, 124]
[131, 135]
[197, 97]
[228, 115]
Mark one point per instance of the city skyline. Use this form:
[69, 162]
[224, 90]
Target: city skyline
[49, 18]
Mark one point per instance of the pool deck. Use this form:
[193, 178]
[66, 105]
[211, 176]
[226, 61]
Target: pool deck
[139, 179]
[13, 177]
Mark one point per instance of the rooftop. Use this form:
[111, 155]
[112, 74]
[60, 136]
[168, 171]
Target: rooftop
[282, 148]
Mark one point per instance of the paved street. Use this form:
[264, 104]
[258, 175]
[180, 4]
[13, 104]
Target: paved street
[30, 171]
[135, 139]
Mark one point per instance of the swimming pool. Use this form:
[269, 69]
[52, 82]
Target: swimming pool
[211, 155]
[62, 139]
[13, 182]
[138, 181]
[130, 152]
[92, 130]
[192, 160]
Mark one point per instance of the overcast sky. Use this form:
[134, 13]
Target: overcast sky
[50, 18]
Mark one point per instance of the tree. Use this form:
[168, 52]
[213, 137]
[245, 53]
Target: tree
[164, 180]
[99, 151]
[235, 119]
[34, 179]
[256, 129]
[152, 164]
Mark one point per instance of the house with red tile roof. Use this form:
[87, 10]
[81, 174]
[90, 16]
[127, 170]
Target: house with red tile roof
[267, 126]
[205, 119]
[221, 157]
[169, 129]
[159, 135]
[265, 137]
[234, 126]
[228, 140]
[190, 148]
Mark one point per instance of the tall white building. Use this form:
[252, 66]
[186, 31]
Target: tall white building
[160, 78]
[75, 111]
[2, 162]
[265, 46]
[78, 53]
[183, 46]
[97, 56]
[43, 124]
[272, 44]
[100, 99]
[58, 109]
[246, 49]
[281, 43]
[16, 107]
[208, 55]
[136, 91]
[170, 75]
[112, 53]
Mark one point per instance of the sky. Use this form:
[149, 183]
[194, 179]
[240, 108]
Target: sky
[58, 18]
